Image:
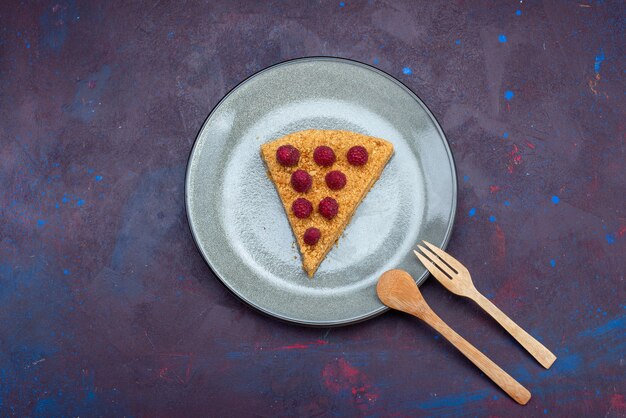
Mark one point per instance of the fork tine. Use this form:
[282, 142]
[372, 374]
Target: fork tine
[436, 261]
[433, 269]
[453, 262]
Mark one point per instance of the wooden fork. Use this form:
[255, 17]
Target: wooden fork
[456, 278]
[397, 289]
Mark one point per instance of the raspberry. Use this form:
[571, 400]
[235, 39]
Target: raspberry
[301, 181]
[328, 207]
[324, 156]
[302, 208]
[335, 180]
[357, 155]
[312, 235]
[287, 155]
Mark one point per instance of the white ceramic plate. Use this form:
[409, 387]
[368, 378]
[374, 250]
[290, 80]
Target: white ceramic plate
[236, 216]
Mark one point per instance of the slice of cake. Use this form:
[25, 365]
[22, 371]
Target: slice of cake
[321, 177]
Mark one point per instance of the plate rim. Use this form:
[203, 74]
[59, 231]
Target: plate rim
[284, 318]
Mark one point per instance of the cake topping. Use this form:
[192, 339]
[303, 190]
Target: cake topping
[287, 155]
[357, 155]
[335, 180]
[328, 207]
[324, 156]
[302, 208]
[301, 181]
[311, 236]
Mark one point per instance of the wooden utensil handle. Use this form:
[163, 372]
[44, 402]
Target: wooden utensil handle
[511, 386]
[534, 347]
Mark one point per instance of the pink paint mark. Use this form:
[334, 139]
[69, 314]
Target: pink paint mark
[340, 376]
[494, 188]
[176, 368]
[510, 292]
[499, 242]
[92, 84]
[621, 231]
[515, 158]
[302, 346]
[530, 145]
[618, 403]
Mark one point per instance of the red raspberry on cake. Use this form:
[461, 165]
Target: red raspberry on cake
[311, 236]
[302, 208]
[357, 155]
[301, 181]
[324, 156]
[335, 180]
[287, 155]
[328, 208]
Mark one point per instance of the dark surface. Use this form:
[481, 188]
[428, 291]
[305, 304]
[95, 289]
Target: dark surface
[107, 308]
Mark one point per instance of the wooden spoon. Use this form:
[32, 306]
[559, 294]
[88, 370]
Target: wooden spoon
[397, 289]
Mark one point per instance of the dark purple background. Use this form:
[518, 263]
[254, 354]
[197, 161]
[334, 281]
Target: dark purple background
[107, 308]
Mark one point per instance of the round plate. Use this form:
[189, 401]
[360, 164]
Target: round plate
[236, 216]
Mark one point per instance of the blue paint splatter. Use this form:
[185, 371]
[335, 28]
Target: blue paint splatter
[170, 35]
[552, 263]
[341, 4]
[27, 44]
[80, 202]
[41, 222]
[507, 203]
[505, 135]
[465, 178]
[567, 364]
[492, 218]
[47, 407]
[518, 12]
[509, 94]
[375, 61]
[458, 42]
[545, 411]
[98, 178]
[235, 355]
[458, 401]
[610, 238]
[65, 199]
[472, 212]
[407, 71]
[502, 38]
[598, 62]
[66, 272]
[555, 200]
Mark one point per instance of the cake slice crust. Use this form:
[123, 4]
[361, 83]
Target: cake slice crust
[360, 179]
